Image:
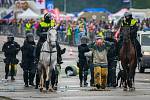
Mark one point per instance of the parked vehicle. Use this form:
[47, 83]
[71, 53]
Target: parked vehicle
[144, 39]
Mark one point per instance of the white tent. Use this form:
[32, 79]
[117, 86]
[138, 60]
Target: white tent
[121, 12]
[28, 14]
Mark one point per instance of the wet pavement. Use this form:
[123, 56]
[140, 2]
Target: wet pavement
[68, 87]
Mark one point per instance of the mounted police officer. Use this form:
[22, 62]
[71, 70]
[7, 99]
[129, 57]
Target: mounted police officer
[41, 32]
[10, 49]
[129, 21]
[28, 60]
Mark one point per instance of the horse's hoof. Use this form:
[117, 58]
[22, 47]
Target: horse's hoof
[125, 89]
[51, 90]
[55, 87]
[41, 89]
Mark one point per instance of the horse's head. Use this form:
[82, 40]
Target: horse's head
[126, 34]
[52, 36]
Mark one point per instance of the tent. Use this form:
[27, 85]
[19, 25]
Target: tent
[117, 16]
[94, 10]
[28, 14]
[141, 12]
[95, 15]
[120, 13]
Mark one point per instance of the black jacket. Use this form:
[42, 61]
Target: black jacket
[28, 51]
[83, 48]
[11, 49]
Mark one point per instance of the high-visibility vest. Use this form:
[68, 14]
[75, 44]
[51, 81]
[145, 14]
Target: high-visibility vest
[43, 24]
[28, 27]
[52, 23]
[69, 31]
[132, 23]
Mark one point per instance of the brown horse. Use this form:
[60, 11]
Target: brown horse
[128, 59]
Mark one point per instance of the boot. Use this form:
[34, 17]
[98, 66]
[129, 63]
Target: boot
[85, 84]
[12, 78]
[6, 76]
[80, 84]
[31, 79]
[25, 77]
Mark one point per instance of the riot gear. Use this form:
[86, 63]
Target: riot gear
[30, 37]
[10, 38]
[47, 17]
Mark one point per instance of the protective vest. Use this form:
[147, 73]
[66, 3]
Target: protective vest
[45, 26]
[69, 31]
[28, 27]
[132, 23]
[52, 23]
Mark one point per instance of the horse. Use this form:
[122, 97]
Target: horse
[128, 58]
[48, 60]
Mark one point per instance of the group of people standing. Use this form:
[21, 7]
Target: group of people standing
[104, 52]
[101, 55]
[30, 53]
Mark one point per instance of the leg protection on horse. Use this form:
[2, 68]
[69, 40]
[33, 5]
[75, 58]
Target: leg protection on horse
[47, 84]
[53, 78]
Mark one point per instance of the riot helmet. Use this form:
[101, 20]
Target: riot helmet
[128, 15]
[84, 40]
[47, 17]
[30, 37]
[10, 38]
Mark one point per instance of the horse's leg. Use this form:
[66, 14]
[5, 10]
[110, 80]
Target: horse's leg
[125, 81]
[50, 75]
[131, 78]
[47, 78]
[40, 72]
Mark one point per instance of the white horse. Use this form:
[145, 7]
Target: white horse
[48, 60]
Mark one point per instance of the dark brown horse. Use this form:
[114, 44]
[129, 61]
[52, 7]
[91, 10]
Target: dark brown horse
[128, 59]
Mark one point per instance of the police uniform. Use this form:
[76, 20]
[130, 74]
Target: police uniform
[28, 60]
[83, 65]
[112, 63]
[10, 49]
[133, 24]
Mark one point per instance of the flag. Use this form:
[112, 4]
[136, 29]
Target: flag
[40, 4]
[9, 15]
[126, 1]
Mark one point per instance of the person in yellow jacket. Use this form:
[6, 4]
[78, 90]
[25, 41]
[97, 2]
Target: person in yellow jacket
[28, 27]
[69, 34]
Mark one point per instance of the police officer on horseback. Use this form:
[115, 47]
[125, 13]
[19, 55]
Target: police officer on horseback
[42, 33]
[10, 49]
[28, 60]
[129, 21]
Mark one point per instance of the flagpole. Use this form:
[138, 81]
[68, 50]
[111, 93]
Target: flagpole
[130, 3]
[65, 6]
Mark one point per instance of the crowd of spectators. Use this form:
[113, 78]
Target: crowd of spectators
[69, 31]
